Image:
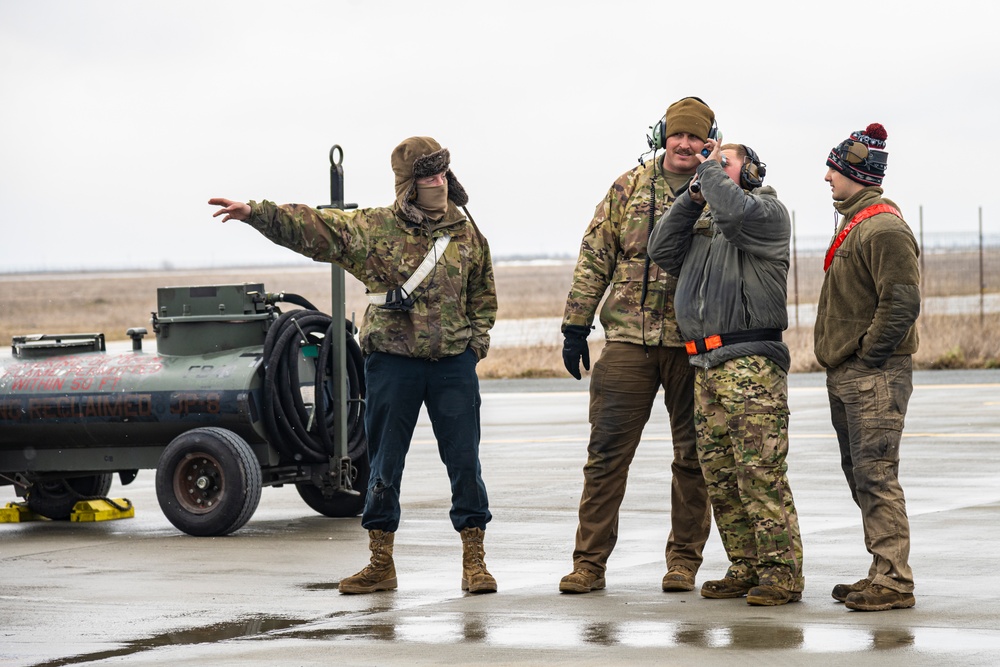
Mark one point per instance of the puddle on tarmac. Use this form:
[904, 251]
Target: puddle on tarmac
[506, 630]
[522, 632]
[248, 627]
[325, 586]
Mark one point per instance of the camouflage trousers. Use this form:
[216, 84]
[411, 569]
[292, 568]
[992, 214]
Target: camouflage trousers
[868, 406]
[741, 415]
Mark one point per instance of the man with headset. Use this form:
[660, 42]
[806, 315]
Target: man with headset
[643, 353]
[731, 262]
[429, 276]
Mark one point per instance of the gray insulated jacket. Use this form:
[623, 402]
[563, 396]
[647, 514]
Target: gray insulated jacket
[731, 263]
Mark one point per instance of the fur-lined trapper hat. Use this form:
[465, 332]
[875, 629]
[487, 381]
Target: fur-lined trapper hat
[415, 158]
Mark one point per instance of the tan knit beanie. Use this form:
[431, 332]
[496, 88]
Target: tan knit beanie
[689, 115]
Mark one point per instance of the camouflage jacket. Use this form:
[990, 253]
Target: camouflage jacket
[613, 253]
[870, 298]
[455, 305]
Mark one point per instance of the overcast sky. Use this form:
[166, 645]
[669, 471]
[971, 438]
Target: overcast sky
[120, 119]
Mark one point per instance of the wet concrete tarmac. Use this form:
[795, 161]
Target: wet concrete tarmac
[137, 591]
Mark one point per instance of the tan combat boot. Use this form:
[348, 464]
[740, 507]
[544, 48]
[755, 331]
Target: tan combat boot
[678, 578]
[475, 577]
[380, 573]
[581, 580]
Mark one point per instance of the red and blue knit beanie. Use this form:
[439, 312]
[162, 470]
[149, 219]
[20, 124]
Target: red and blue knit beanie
[862, 157]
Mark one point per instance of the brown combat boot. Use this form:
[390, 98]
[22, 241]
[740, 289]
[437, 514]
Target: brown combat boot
[380, 573]
[728, 587]
[841, 591]
[879, 598]
[475, 577]
[771, 596]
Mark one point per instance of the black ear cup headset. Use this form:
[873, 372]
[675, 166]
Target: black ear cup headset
[753, 171]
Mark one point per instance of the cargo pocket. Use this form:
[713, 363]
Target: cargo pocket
[760, 438]
[877, 409]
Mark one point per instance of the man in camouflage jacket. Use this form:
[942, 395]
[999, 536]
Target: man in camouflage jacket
[643, 353]
[424, 353]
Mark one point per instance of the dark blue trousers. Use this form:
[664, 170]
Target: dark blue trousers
[396, 388]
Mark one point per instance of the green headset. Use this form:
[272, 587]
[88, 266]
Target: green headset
[753, 170]
[658, 140]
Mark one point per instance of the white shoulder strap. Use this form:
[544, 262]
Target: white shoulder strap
[430, 259]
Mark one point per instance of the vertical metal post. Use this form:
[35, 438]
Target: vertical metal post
[795, 272]
[982, 272]
[923, 291]
[338, 317]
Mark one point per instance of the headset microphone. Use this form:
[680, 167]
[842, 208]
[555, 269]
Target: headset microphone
[712, 134]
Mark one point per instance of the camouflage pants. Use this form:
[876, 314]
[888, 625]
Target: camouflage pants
[868, 406]
[741, 414]
[623, 387]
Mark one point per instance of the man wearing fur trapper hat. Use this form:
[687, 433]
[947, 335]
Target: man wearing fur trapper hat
[865, 338]
[644, 352]
[429, 275]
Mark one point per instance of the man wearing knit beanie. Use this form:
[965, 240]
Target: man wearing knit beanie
[865, 337]
[644, 352]
[414, 257]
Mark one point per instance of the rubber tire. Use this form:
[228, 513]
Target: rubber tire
[236, 490]
[52, 499]
[340, 505]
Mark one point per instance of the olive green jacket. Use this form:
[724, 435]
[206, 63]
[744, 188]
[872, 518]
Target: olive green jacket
[455, 306]
[870, 297]
[613, 260]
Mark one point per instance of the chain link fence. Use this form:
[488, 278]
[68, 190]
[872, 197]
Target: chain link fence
[959, 288]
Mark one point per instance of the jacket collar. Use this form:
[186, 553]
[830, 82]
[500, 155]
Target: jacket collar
[858, 201]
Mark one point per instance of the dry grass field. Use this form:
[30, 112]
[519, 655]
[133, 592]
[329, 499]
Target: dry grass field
[110, 303]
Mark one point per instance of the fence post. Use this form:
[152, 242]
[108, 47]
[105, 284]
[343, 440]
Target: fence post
[982, 274]
[923, 291]
[795, 271]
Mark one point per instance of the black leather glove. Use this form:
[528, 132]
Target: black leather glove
[575, 349]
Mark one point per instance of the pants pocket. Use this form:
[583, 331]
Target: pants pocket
[878, 410]
[760, 438]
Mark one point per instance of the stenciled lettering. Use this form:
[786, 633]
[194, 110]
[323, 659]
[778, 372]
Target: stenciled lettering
[113, 407]
[195, 403]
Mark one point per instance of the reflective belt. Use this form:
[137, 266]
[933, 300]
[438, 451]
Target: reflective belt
[430, 259]
[703, 345]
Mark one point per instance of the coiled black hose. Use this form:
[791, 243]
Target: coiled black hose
[301, 433]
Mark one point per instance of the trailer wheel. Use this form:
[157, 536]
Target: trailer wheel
[55, 498]
[208, 482]
[341, 504]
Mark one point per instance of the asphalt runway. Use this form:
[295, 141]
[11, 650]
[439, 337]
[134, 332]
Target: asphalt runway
[139, 592]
